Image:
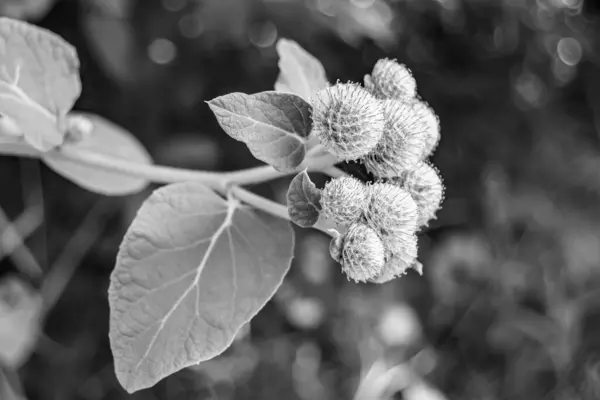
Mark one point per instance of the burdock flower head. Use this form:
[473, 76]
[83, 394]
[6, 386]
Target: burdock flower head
[403, 143]
[393, 133]
[425, 186]
[391, 80]
[343, 200]
[348, 120]
[360, 251]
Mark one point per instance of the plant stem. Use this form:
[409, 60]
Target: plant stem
[334, 172]
[264, 204]
[221, 182]
[163, 174]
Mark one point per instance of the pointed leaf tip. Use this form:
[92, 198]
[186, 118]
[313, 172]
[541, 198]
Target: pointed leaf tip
[273, 125]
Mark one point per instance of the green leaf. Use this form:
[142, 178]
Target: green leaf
[106, 140]
[300, 72]
[303, 201]
[273, 125]
[39, 81]
[192, 270]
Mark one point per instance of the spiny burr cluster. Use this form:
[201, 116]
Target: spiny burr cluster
[343, 200]
[390, 80]
[347, 120]
[360, 251]
[403, 143]
[425, 187]
[393, 133]
[379, 239]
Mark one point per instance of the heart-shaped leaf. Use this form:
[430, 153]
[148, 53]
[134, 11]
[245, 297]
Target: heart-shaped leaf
[192, 270]
[300, 72]
[273, 125]
[39, 81]
[303, 201]
[106, 139]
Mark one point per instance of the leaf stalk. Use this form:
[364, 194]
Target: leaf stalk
[221, 182]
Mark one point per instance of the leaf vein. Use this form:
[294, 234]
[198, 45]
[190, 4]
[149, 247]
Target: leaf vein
[226, 222]
[233, 272]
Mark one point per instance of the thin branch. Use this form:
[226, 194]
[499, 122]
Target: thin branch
[317, 160]
[73, 253]
[273, 208]
[164, 174]
[13, 235]
[33, 196]
[334, 172]
[262, 203]
[154, 173]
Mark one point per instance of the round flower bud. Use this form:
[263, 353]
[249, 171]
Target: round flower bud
[392, 80]
[427, 124]
[391, 210]
[402, 145]
[363, 253]
[343, 200]
[348, 120]
[403, 254]
[425, 186]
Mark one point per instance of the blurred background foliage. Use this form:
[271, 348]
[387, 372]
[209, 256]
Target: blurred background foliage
[508, 307]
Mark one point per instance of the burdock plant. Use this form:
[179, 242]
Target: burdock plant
[204, 254]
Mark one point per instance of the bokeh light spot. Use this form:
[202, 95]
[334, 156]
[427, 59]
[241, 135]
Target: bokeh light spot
[174, 5]
[263, 35]
[191, 26]
[162, 51]
[530, 88]
[571, 3]
[569, 51]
